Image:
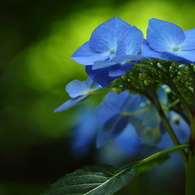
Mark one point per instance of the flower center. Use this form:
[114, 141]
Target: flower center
[175, 48]
[112, 51]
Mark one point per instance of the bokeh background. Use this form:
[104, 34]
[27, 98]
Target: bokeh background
[37, 38]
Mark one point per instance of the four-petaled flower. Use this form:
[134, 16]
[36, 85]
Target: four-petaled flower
[110, 48]
[78, 91]
[168, 41]
[112, 113]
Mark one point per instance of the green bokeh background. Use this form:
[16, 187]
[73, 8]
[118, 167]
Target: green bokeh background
[37, 38]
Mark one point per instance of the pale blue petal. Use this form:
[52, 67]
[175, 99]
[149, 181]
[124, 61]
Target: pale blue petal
[181, 56]
[151, 119]
[162, 95]
[189, 43]
[148, 52]
[102, 64]
[130, 43]
[92, 85]
[163, 36]
[70, 103]
[106, 35]
[76, 88]
[86, 56]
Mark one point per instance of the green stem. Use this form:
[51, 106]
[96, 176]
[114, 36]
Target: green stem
[166, 123]
[193, 79]
[190, 172]
[160, 154]
[173, 104]
[171, 84]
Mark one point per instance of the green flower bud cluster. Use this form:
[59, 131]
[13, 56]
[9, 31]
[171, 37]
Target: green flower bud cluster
[139, 79]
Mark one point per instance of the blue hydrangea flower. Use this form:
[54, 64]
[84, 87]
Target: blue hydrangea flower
[78, 91]
[111, 113]
[168, 41]
[120, 149]
[103, 42]
[111, 45]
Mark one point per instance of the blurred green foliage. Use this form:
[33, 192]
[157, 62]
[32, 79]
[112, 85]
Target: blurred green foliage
[37, 38]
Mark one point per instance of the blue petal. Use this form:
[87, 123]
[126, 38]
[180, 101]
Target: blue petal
[127, 141]
[163, 36]
[148, 52]
[151, 118]
[130, 43]
[76, 88]
[100, 75]
[110, 129]
[104, 112]
[111, 106]
[116, 100]
[181, 56]
[126, 58]
[189, 43]
[102, 64]
[162, 95]
[70, 103]
[86, 56]
[131, 103]
[91, 84]
[118, 70]
[106, 35]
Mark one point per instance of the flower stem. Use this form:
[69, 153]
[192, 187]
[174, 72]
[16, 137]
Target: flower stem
[166, 123]
[190, 172]
[160, 154]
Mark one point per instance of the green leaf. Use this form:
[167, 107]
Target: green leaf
[93, 180]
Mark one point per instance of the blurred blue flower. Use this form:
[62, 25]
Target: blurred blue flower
[129, 140]
[83, 135]
[168, 41]
[112, 113]
[111, 45]
[120, 149]
[79, 91]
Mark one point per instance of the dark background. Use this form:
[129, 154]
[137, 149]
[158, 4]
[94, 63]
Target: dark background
[37, 38]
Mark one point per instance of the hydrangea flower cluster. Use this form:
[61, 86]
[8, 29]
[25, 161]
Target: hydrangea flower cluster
[114, 52]
[149, 83]
[115, 44]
